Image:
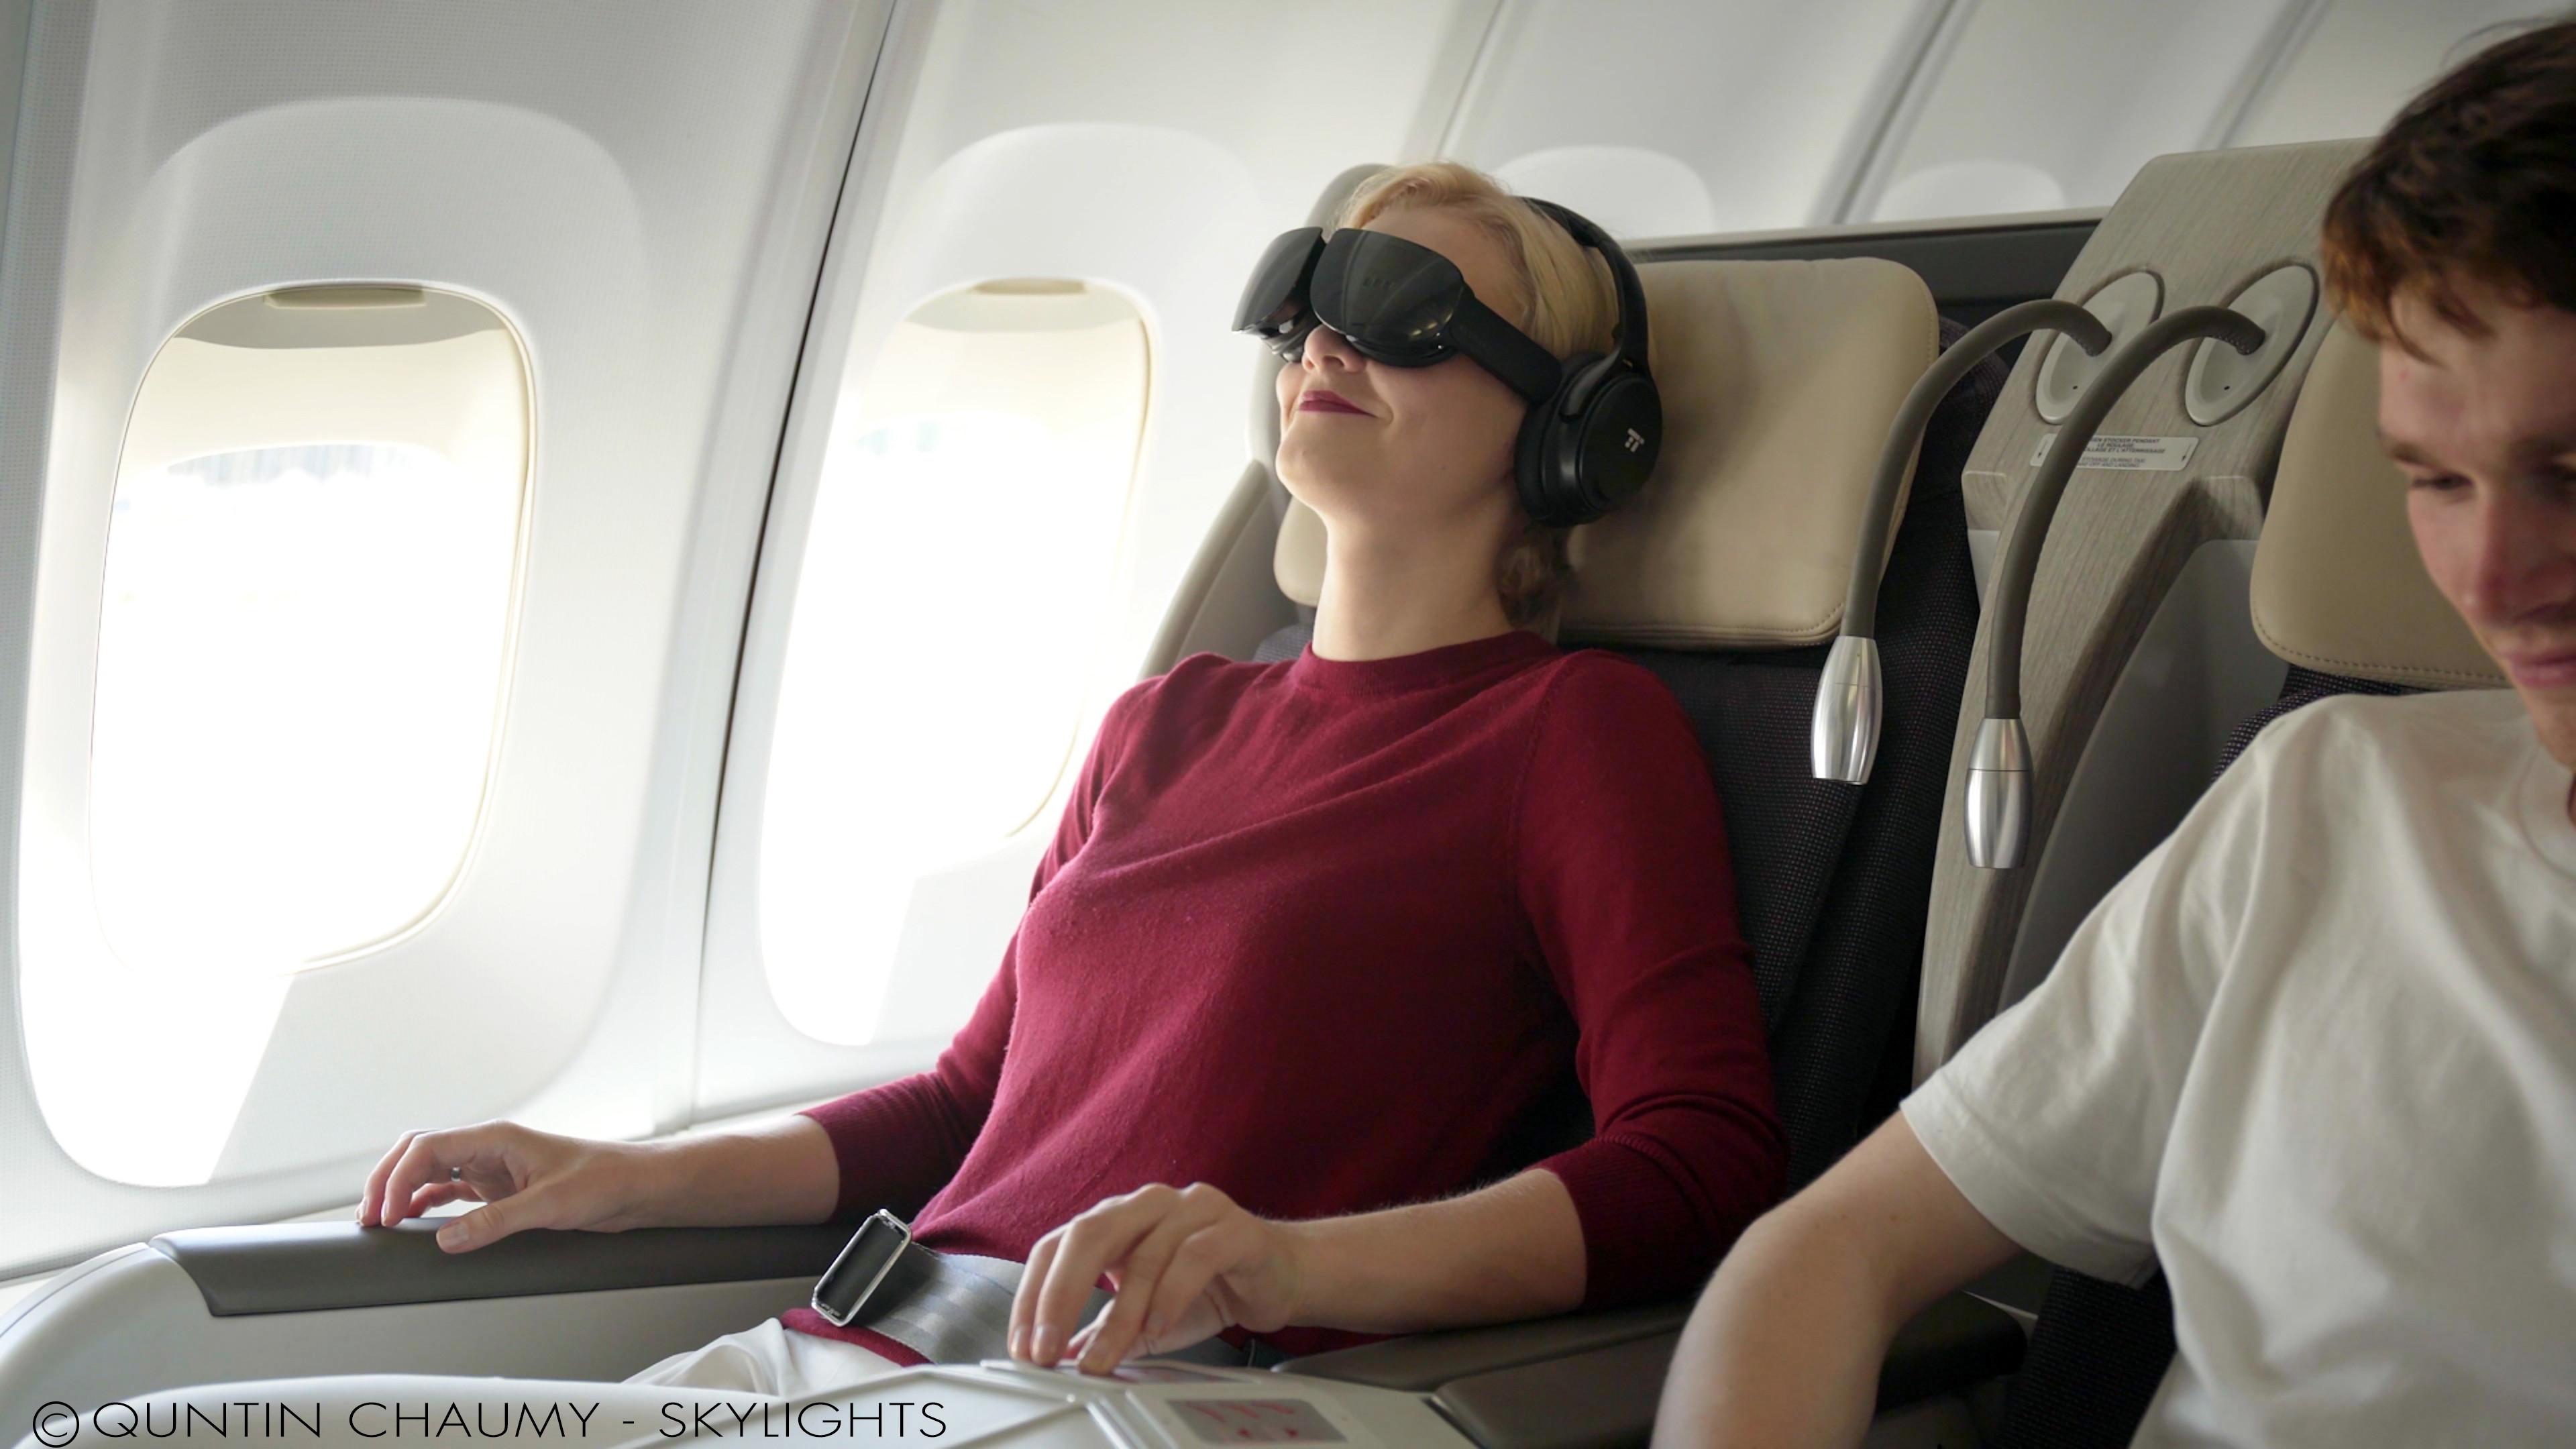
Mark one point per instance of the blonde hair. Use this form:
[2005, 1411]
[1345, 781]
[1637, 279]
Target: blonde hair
[1566, 303]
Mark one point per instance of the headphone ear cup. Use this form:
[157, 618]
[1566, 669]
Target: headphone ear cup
[1602, 458]
[1573, 470]
[1531, 470]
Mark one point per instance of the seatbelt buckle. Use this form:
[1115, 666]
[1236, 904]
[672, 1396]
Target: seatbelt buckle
[863, 1264]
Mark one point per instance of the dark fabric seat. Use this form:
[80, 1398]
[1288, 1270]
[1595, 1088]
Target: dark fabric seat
[2101, 1349]
[1833, 881]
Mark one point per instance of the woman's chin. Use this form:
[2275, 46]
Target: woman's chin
[1320, 475]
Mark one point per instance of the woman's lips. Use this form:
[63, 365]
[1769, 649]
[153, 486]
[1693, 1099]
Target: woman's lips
[1322, 400]
[2543, 668]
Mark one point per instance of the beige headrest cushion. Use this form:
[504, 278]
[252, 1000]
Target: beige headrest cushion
[2338, 585]
[1779, 381]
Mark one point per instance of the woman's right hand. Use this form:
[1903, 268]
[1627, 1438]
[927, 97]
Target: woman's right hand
[524, 1178]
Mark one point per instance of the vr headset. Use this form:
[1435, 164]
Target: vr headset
[1595, 423]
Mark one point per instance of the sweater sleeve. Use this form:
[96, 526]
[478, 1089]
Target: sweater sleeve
[1622, 868]
[898, 1144]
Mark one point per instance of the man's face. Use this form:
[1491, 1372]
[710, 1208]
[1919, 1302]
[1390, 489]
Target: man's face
[2485, 428]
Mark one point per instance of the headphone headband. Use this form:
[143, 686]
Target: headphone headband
[1624, 283]
[1590, 448]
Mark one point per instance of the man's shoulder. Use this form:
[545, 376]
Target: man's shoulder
[2358, 739]
[2374, 782]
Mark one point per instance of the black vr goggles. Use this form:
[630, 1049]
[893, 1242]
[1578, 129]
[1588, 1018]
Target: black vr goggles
[1595, 423]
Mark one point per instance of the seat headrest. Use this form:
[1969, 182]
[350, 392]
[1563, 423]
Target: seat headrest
[1779, 381]
[2338, 585]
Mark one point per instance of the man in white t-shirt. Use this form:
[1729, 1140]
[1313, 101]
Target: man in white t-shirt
[2316, 1055]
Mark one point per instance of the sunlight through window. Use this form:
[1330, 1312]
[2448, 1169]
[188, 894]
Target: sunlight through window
[304, 573]
[301, 640]
[946, 614]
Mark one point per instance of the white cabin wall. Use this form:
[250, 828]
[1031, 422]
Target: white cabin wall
[634, 188]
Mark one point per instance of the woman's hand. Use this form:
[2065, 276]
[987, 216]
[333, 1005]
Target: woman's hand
[1187, 1263]
[527, 1178]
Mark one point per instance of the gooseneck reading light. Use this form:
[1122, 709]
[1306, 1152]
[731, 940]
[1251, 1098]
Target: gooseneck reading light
[1842, 735]
[1999, 765]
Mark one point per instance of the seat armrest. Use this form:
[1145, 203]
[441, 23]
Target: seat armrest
[1587, 1401]
[300, 1267]
[1958, 1342]
[1425, 1361]
[1591, 1380]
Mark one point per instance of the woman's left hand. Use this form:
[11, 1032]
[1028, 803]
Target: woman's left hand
[1187, 1263]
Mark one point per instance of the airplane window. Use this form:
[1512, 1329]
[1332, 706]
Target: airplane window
[302, 638]
[303, 626]
[947, 607]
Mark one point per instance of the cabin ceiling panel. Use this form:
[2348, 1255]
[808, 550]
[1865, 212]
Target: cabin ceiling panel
[1294, 93]
[2358, 61]
[1753, 107]
[2041, 104]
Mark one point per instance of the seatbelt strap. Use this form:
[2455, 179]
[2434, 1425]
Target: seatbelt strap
[948, 1308]
[956, 1308]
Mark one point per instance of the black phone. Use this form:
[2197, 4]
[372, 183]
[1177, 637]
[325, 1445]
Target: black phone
[862, 1265]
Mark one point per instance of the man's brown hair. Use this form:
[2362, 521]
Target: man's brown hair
[2474, 182]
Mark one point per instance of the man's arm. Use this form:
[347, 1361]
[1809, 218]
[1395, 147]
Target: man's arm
[1785, 1346]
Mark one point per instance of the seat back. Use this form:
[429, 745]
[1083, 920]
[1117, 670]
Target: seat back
[1832, 879]
[2339, 592]
[1725, 578]
[2137, 640]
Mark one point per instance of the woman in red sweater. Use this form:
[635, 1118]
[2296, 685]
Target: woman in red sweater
[1315, 944]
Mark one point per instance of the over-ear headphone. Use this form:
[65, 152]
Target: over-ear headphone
[1591, 446]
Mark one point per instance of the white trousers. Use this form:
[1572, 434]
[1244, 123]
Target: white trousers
[770, 1360]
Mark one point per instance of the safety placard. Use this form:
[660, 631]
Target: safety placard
[2127, 454]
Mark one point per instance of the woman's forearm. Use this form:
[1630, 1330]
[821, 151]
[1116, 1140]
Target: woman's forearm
[1512, 1250]
[777, 1172]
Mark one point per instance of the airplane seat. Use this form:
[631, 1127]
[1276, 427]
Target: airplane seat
[1833, 880]
[1779, 379]
[2339, 593]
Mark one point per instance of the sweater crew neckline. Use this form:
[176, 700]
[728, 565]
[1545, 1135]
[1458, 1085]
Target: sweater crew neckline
[1427, 669]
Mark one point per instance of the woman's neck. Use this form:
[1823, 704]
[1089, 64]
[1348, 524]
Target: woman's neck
[1384, 598]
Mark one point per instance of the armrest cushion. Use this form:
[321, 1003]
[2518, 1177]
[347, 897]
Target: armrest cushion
[1957, 1342]
[297, 1267]
[1425, 1361]
[1595, 1379]
[1607, 1396]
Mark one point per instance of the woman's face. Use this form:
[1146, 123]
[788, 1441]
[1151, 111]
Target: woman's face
[1418, 448]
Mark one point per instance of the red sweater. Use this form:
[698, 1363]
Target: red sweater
[1322, 934]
